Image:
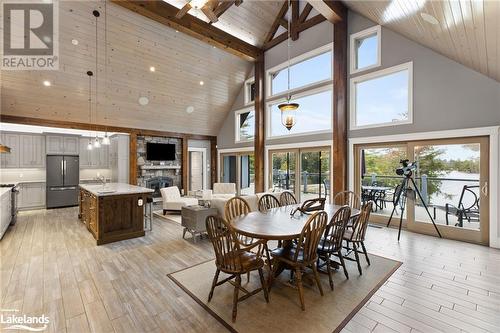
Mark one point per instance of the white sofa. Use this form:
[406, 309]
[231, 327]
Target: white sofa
[172, 200]
[224, 191]
[253, 201]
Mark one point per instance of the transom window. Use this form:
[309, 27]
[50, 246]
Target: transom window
[382, 98]
[245, 125]
[306, 70]
[365, 49]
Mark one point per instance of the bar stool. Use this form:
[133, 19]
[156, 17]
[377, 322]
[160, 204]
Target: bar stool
[148, 214]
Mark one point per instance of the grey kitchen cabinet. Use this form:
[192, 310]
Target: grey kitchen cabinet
[32, 151]
[10, 160]
[84, 154]
[5, 212]
[62, 144]
[31, 195]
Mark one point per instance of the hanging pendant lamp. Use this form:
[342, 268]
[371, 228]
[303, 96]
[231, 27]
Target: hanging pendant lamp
[89, 73]
[105, 141]
[97, 143]
[288, 109]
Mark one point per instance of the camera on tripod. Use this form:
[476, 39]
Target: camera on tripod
[406, 169]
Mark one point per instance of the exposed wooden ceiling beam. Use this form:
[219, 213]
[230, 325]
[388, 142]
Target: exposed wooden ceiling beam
[305, 12]
[295, 20]
[284, 23]
[275, 41]
[311, 22]
[222, 7]
[276, 23]
[333, 10]
[165, 13]
[183, 11]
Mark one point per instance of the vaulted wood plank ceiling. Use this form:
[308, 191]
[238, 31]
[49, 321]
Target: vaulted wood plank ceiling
[467, 31]
[135, 43]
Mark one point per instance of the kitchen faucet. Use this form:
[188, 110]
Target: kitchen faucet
[102, 179]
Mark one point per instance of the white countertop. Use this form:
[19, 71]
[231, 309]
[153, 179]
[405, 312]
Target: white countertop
[114, 189]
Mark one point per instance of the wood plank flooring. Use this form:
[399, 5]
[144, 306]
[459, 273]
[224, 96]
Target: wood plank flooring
[50, 264]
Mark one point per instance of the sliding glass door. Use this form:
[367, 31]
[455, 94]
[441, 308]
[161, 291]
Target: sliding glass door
[315, 174]
[238, 168]
[305, 172]
[451, 175]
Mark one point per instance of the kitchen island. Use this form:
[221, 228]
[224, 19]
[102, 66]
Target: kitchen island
[114, 211]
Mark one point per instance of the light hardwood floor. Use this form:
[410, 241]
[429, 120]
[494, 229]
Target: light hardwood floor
[50, 264]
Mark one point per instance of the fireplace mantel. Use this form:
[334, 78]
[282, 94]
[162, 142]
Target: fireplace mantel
[160, 167]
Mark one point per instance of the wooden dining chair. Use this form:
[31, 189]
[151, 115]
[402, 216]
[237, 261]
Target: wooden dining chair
[268, 201]
[332, 240]
[287, 198]
[356, 235]
[348, 198]
[233, 258]
[303, 254]
[235, 207]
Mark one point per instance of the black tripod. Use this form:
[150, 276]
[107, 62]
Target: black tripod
[403, 191]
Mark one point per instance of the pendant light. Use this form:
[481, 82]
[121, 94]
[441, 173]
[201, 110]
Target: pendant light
[89, 73]
[288, 110]
[97, 143]
[105, 141]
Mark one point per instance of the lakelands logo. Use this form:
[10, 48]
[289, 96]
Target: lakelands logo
[11, 320]
[30, 39]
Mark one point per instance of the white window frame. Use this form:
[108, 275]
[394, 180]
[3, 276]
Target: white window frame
[246, 90]
[293, 61]
[374, 75]
[375, 30]
[309, 92]
[237, 113]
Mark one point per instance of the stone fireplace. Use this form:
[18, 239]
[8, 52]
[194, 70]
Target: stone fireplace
[155, 174]
[156, 183]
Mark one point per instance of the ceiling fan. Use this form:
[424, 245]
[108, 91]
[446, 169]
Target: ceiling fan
[206, 6]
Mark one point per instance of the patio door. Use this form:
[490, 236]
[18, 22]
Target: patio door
[451, 175]
[238, 168]
[305, 172]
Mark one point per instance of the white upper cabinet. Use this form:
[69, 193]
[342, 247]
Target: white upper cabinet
[32, 151]
[97, 158]
[10, 160]
[62, 144]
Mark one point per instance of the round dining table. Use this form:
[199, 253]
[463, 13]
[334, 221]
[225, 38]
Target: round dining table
[280, 225]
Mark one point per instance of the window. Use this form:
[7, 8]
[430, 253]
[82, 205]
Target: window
[305, 70]
[314, 114]
[249, 91]
[365, 49]
[382, 98]
[245, 125]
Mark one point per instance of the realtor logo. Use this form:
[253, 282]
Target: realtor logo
[30, 35]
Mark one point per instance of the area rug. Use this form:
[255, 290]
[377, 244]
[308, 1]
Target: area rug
[169, 216]
[329, 313]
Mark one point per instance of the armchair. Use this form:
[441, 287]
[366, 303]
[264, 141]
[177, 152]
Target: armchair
[172, 200]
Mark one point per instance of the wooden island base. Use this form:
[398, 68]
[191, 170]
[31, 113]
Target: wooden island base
[111, 218]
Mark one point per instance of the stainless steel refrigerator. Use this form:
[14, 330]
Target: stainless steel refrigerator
[63, 176]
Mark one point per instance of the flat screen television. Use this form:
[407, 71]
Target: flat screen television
[160, 151]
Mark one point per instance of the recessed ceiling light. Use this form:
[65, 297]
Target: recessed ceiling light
[429, 18]
[152, 69]
[47, 83]
[143, 100]
[74, 41]
[190, 109]
[202, 83]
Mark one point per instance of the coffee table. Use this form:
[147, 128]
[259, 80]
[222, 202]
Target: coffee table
[193, 220]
